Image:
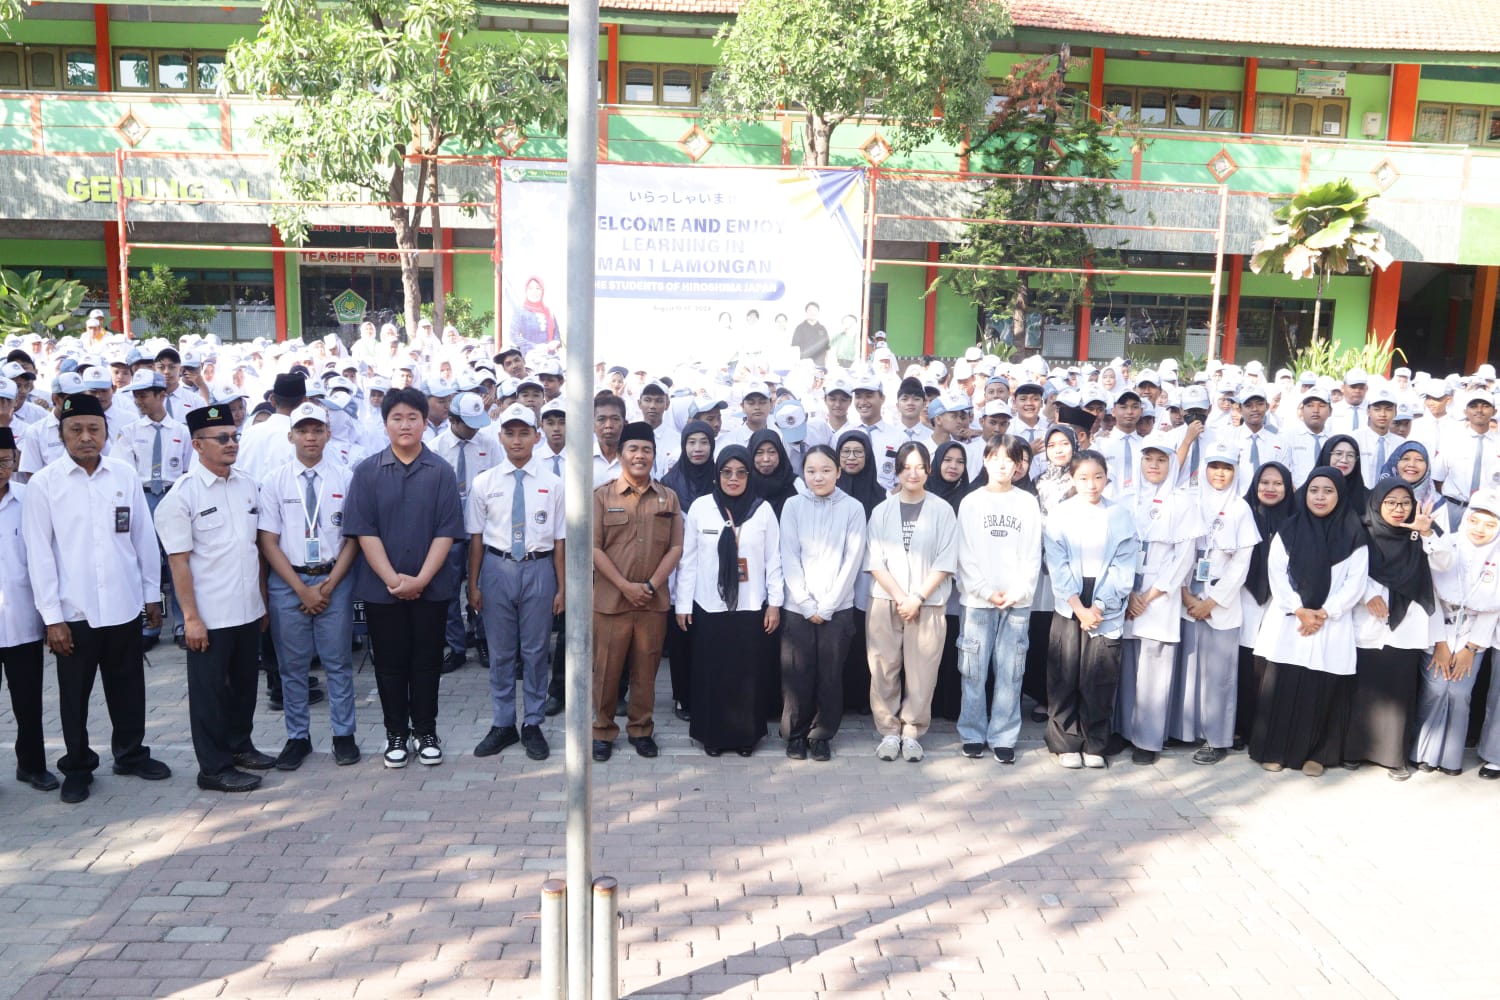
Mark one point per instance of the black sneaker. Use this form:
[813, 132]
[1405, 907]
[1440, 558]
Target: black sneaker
[1209, 755]
[821, 750]
[535, 743]
[497, 739]
[1139, 756]
[293, 754]
[796, 748]
[429, 749]
[974, 750]
[75, 787]
[254, 760]
[452, 660]
[396, 754]
[345, 751]
[1005, 755]
[146, 768]
[553, 707]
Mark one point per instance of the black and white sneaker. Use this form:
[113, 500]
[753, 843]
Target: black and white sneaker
[429, 749]
[396, 754]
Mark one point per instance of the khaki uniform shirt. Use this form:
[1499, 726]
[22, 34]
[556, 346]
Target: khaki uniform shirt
[635, 529]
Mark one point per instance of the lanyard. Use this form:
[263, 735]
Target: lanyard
[310, 520]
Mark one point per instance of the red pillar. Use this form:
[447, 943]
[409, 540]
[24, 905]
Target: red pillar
[612, 64]
[448, 259]
[112, 273]
[1481, 316]
[1234, 264]
[1096, 85]
[1385, 298]
[1402, 121]
[103, 59]
[929, 313]
[278, 284]
[1247, 95]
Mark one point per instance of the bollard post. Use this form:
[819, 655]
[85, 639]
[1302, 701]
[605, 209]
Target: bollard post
[554, 939]
[606, 939]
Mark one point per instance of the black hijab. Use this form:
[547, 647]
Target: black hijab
[1268, 519]
[1314, 545]
[735, 511]
[781, 485]
[1396, 557]
[687, 480]
[940, 487]
[1358, 493]
[863, 485]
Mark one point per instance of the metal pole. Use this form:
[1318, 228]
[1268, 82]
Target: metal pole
[1218, 278]
[498, 258]
[583, 166]
[124, 241]
[606, 938]
[554, 940]
[869, 334]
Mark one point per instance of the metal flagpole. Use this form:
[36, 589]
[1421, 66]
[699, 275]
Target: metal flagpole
[583, 163]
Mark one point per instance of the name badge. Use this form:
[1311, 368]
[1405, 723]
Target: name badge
[122, 520]
[1202, 574]
[314, 551]
[744, 571]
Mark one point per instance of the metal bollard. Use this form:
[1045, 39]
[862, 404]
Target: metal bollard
[606, 939]
[554, 939]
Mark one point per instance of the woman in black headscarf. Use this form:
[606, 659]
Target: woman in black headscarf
[774, 483]
[1393, 623]
[949, 480]
[857, 478]
[1270, 500]
[691, 478]
[1342, 452]
[729, 591]
[1318, 568]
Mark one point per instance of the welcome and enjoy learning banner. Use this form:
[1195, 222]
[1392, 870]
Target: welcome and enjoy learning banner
[691, 264]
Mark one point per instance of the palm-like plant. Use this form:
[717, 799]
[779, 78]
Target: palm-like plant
[1322, 232]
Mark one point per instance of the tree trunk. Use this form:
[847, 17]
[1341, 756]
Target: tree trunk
[1018, 309]
[815, 141]
[406, 239]
[440, 262]
[1317, 311]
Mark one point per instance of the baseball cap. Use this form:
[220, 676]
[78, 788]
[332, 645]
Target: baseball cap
[868, 382]
[1195, 397]
[1467, 397]
[1250, 392]
[1356, 376]
[1487, 500]
[554, 406]
[96, 378]
[67, 384]
[954, 402]
[996, 407]
[791, 420]
[1224, 451]
[1314, 392]
[469, 408]
[441, 388]
[1380, 394]
[755, 389]
[839, 383]
[7, 388]
[309, 411]
[146, 378]
[514, 412]
[713, 402]
[1404, 411]
[1148, 377]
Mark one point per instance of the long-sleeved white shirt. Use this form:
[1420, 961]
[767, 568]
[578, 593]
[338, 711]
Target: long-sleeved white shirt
[19, 621]
[1331, 648]
[822, 552]
[90, 550]
[999, 547]
[759, 546]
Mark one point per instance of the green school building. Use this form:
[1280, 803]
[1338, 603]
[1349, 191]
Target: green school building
[1252, 98]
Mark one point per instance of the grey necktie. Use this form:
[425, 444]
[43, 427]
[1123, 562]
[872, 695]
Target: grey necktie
[557, 466]
[156, 483]
[1379, 454]
[1254, 452]
[1129, 471]
[310, 501]
[1355, 411]
[518, 517]
[463, 467]
[1478, 463]
[1193, 463]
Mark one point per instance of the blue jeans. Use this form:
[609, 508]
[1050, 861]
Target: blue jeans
[299, 637]
[992, 638]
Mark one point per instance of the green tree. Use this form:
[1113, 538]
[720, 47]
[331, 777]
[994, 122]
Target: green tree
[459, 313]
[160, 298]
[31, 304]
[1322, 232]
[12, 10]
[1040, 130]
[841, 60]
[376, 88]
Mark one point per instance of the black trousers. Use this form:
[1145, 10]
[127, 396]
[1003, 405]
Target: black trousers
[679, 652]
[1083, 676]
[23, 675]
[557, 683]
[812, 674]
[407, 643]
[222, 681]
[113, 653]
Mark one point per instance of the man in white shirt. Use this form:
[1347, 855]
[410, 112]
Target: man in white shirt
[93, 564]
[911, 400]
[21, 630]
[1375, 437]
[838, 396]
[470, 453]
[869, 399]
[208, 523]
[265, 445]
[756, 406]
[653, 401]
[1304, 437]
[40, 443]
[515, 519]
[180, 398]
[1428, 428]
[1349, 415]
[1123, 445]
[310, 597]
[1257, 443]
[1468, 456]
[609, 421]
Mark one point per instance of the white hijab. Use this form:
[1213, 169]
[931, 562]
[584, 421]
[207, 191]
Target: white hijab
[1163, 511]
[1228, 522]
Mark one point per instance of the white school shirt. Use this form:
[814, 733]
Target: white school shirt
[1453, 465]
[265, 446]
[1269, 448]
[183, 400]
[604, 470]
[1369, 451]
[19, 620]
[1302, 447]
[138, 441]
[283, 509]
[885, 441]
[698, 572]
[487, 510]
[89, 546]
[481, 454]
[215, 519]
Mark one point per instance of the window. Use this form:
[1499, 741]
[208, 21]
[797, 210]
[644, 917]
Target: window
[1270, 115]
[1187, 110]
[664, 86]
[1457, 123]
[1120, 102]
[640, 85]
[168, 70]
[1153, 108]
[45, 67]
[1279, 114]
[10, 68]
[171, 71]
[208, 69]
[42, 67]
[1194, 110]
[677, 86]
[79, 70]
[133, 70]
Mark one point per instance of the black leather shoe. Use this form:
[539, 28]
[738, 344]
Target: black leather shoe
[229, 780]
[148, 768]
[345, 751]
[603, 750]
[535, 743]
[497, 739]
[148, 642]
[75, 787]
[553, 707]
[680, 710]
[745, 751]
[1451, 772]
[796, 748]
[274, 702]
[821, 750]
[452, 660]
[315, 694]
[1425, 767]
[1038, 714]
[254, 760]
[43, 780]
[1354, 765]
[1489, 772]
[713, 751]
[644, 745]
[1139, 756]
[293, 754]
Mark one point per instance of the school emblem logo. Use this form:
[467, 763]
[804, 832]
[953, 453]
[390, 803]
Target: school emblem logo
[336, 518]
[1218, 523]
[540, 517]
[213, 413]
[1155, 513]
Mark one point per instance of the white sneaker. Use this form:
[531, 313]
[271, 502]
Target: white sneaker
[1071, 761]
[911, 750]
[1093, 760]
[889, 748]
[395, 750]
[429, 750]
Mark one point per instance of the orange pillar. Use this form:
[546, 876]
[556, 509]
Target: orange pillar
[1234, 266]
[103, 59]
[1247, 94]
[1402, 120]
[1481, 315]
[929, 312]
[447, 244]
[278, 285]
[112, 273]
[612, 64]
[1096, 85]
[1385, 297]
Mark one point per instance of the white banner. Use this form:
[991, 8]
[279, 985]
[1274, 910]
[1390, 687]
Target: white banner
[693, 263]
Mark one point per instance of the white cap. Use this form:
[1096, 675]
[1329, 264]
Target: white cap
[441, 388]
[1404, 411]
[1195, 397]
[1313, 392]
[751, 388]
[1356, 376]
[1486, 372]
[378, 383]
[549, 366]
[882, 353]
[714, 401]
[1401, 373]
[554, 406]
[996, 407]
[309, 411]
[1380, 394]
[1148, 376]
[839, 383]
[954, 401]
[13, 370]
[962, 369]
[507, 387]
[96, 378]
[7, 388]
[1251, 391]
[1223, 450]
[515, 411]
[868, 382]
[146, 378]
[971, 355]
[1487, 500]
[534, 381]
[67, 384]
[791, 420]
[1467, 397]
[469, 407]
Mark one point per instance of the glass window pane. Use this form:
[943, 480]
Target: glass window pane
[81, 71]
[705, 80]
[640, 85]
[10, 68]
[1492, 133]
[1153, 107]
[1332, 120]
[1432, 123]
[134, 71]
[676, 86]
[1302, 118]
[1120, 102]
[1224, 112]
[1466, 125]
[43, 70]
[172, 71]
[210, 67]
[1187, 110]
[1270, 115]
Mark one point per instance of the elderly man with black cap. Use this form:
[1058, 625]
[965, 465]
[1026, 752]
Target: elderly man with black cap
[208, 524]
[93, 563]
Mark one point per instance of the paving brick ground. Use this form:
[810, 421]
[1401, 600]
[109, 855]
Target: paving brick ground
[746, 878]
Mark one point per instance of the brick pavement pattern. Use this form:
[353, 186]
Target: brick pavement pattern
[765, 877]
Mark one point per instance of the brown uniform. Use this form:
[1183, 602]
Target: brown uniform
[636, 530]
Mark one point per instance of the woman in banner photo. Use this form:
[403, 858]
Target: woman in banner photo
[532, 323]
[729, 592]
[690, 478]
[857, 478]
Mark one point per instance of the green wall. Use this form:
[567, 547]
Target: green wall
[29, 254]
[474, 279]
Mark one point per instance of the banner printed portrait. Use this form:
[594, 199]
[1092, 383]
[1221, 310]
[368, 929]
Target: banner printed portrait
[693, 264]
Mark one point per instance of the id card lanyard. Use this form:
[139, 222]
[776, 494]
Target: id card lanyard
[312, 544]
